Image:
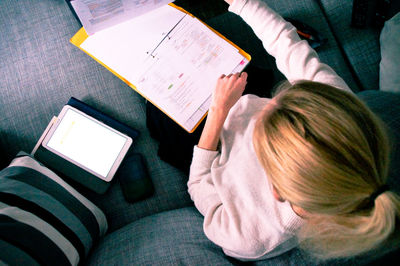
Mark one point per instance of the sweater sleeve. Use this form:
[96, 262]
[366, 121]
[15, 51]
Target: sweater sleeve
[294, 57]
[225, 221]
[200, 184]
[220, 226]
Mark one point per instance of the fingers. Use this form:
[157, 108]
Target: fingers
[243, 75]
[235, 76]
[239, 78]
[236, 80]
[228, 90]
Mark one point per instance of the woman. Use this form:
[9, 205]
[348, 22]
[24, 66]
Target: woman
[307, 167]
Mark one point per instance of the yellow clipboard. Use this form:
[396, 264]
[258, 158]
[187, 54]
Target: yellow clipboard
[81, 36]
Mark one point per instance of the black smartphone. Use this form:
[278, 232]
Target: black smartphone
[134, 179]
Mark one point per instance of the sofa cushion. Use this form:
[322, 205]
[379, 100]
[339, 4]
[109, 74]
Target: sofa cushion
[170, 238]
[42, 219]
[176, 238]
[361, 46]
[173, 238]
[389, 78]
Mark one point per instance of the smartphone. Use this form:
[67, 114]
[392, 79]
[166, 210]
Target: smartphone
[134, 179]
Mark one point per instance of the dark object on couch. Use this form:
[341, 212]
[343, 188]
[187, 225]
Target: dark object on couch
[306, 32]
[373, 12]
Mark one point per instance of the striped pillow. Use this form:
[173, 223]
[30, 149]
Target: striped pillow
[43, 220]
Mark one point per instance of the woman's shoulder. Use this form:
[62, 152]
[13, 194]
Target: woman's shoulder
[250, 104]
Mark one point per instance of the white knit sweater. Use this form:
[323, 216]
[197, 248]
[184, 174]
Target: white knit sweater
[229, 187]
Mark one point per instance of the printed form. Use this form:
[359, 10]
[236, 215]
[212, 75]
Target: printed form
[175, 64]
[97, 15]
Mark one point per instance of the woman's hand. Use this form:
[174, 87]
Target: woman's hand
[227, 92]
[229, 1]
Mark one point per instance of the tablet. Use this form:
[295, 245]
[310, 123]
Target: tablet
[87, 143]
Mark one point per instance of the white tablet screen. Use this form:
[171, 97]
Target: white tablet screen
[87, 142]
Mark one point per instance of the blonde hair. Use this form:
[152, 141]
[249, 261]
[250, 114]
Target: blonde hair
[324, 151]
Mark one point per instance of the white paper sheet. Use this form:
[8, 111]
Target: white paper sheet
[125, 46]
[97, 15]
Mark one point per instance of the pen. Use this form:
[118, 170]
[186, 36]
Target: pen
[305, 35]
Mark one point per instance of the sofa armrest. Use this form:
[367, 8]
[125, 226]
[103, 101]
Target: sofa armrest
[387, 106]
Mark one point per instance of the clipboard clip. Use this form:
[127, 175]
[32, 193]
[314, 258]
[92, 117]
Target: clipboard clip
[167, 35]
[150, 53]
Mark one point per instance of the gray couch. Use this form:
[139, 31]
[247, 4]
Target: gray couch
[40, 70]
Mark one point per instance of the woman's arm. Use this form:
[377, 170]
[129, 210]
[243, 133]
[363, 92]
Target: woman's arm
[227, 92]
[294, 57]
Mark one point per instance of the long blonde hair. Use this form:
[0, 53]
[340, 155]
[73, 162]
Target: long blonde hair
[327, 153]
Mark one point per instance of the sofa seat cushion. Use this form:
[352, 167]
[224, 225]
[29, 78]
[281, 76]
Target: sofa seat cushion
[43, 220]
[170, 238]
[361, 46]
[176, 238]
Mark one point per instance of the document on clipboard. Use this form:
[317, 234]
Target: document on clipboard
[96, 15]
[169, 57]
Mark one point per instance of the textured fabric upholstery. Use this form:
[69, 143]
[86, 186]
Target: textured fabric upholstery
[170, 238]
[176, 238]
[387, 106]
[361, 46]
[389, 79]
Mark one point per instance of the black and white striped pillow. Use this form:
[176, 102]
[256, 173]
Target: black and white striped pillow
[43, 220]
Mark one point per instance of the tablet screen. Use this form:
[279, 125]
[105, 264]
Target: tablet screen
[87, 142]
